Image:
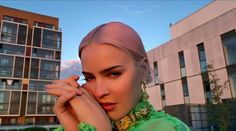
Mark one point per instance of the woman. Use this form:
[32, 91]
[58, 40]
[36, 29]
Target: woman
[115, 67]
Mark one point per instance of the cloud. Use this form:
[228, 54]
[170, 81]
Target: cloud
[131, 12]
[70, 67]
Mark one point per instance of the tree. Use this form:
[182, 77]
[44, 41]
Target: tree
[218, 112]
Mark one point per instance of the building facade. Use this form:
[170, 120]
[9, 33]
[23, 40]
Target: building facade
[179, 67]
[30, 56]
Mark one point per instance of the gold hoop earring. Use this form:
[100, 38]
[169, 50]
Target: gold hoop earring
[145, 95]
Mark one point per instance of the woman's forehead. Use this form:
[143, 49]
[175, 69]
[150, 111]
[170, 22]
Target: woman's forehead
[104, 55]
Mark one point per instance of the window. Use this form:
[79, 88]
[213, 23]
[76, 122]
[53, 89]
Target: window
[31, 103]
[45, 103]
[229, 43]
[1, 100]
[42, 53]
[51, 39]
[207, 87]
[45, 25]
[6, 63]
[156, 72]
[182, 64]
[37, 37]
[4, 102]
[38, 85]
[58, 55]
[34, 69]
[232, 79]
[202, 57]
[15, 102]
[12, 49]
[50, 70]
[15, 19]
[163, 97]
[185, 89]
[9, 31]
[22, 34]
[18, 70]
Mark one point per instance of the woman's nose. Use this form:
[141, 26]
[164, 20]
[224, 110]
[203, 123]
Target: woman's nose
[101, 89]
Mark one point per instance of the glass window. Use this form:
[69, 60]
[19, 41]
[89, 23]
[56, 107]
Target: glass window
[37, 37]
[163, 97]
[45, 103]
[4, 102]
[229, 42]
[232, 79]
[22, 34]
[207, 87]
[182, 64]
[15, 102]
[185, 86]
[45, 25]
[15, 19]
[26, 69]
[58, 55]
[12, 49]
[50, 70]
[42, 53]
[34, 68]
[18, 70]
[9, 32]
[51, 39]
[156, 72]
[6, 63]
[38, 85]
[31, 103]
[202, 57]
[10, 84]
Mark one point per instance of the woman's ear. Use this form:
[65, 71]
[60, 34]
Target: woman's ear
[144, 72]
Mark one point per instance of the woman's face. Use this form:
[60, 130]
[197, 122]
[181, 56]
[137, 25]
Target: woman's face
[112, 77]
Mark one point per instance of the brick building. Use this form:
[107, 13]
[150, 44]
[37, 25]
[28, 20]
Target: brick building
[30, 56]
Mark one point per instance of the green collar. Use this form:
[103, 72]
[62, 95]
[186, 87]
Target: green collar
[141, 111]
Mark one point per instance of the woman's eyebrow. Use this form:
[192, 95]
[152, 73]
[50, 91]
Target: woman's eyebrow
[86, 73]
[109, 69]
[103, 71]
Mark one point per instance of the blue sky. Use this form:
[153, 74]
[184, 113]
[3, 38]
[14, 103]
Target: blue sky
[150, 18]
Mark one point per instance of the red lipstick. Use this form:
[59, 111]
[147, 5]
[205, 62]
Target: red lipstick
[108, 106]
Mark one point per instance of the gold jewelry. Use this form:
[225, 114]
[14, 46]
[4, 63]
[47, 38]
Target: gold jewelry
[144, 94]
[131, 119]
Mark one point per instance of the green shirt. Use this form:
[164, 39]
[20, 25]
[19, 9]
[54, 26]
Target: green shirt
[151, 120]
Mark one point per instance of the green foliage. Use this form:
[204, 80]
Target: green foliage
[218, 112]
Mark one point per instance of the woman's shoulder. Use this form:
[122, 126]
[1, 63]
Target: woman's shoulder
[162, 121]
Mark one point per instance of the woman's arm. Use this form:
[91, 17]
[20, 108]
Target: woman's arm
[84, 105]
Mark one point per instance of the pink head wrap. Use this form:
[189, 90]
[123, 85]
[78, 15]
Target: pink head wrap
[119, 35]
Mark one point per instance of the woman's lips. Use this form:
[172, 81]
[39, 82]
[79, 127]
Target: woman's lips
[108, 106]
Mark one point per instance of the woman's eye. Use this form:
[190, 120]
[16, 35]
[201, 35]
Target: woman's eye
[114, 74]
[88, 79]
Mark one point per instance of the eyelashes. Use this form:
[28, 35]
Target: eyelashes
[110, 75]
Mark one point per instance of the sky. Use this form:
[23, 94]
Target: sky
[150, 18]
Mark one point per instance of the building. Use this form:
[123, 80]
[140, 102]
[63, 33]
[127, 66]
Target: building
[30, 56]
[180, 66]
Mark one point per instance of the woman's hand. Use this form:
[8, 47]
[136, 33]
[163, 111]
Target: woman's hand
[85, 107]
[64, 111]
[66, 90]
[88, 110]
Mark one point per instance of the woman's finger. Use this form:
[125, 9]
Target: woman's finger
[57, 91]
[60, 85]
[59, 106]
[62, 90]
[72, 80]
